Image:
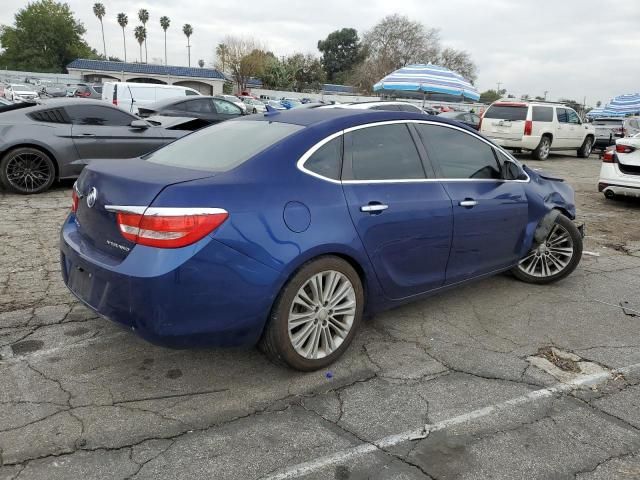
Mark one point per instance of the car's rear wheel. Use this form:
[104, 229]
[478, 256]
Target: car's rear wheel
[541, 152]
[554, 258]
[585, 150]
[27, 170]
[316, 315]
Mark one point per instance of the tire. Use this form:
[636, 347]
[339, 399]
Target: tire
[316, 330]
[254, 111]
[541, 152]
[552, 253]
[27, 170]
[585, 150]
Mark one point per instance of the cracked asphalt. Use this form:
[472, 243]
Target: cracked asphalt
[81, 398]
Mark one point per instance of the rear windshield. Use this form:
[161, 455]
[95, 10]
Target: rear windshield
[506, 112]
[224, 146]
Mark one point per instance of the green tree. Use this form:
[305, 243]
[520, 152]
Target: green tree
[222, 57]
[490, 96]
[123, 20]
[164, 23]
[307, 72]
[141, 35]
[341, 51]
[45, 38]
[187, 29]
[201, 63]
[99, 11]
[143, 16]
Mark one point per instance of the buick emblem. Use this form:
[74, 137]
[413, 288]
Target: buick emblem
[91, 198]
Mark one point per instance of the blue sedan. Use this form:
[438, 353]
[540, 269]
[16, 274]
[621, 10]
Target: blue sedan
[282, 230]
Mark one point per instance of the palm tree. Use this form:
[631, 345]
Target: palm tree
[221, 53]
[201, 63]
[123, 20]
[188, 31]
[141, 36]
[164, 23]
[99, 11]
[143, 15]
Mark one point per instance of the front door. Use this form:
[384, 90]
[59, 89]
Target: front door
[489, 214]
[106, 132]
[403, 220]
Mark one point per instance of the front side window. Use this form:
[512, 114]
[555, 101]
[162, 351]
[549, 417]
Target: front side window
[199, 106]
[459, 155]
[98, 115]
[225, 107]
[327, 160]
[561, 114]
[384, 152]
[572, 116]
[223, 146]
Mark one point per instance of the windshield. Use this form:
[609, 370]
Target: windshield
[224, 146]
[504, 112]
[22, 88]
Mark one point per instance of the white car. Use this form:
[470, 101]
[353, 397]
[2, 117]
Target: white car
[539, 127]
[17, 92]
[253, 105]
[620, 171]
[129, 95]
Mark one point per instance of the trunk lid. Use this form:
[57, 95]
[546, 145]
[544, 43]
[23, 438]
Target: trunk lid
[130, 182]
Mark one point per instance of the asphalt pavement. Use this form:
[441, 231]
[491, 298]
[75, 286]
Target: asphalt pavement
[496, 379]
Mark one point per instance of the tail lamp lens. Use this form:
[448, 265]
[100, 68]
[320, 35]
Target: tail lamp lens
[75, 199]
[171, 227]
[528, 127]
[607, 157]
[625, 149]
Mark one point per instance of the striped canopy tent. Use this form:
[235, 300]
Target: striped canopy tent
[596, 113]
[428, 79]
[622, 105]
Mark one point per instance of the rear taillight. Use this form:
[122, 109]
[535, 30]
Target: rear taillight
[115, 102]
[168, 227]
[624, 149]
[528, 127]
[75, 198]
[608, 155]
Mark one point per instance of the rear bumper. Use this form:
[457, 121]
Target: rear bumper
[206, 294]
[613, 181]
[525, 143]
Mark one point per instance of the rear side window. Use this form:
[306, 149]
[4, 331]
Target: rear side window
[459, 154]
[99, 116]
[542, 114]
[223, 146]
[507, 112]
[386, 152]
[562, 115]
[327, 160]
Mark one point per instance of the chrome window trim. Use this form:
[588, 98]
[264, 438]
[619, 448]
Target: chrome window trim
[300, 163]
[164, 211]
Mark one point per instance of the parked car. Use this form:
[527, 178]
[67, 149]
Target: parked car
[233, 99]
[276, 105]
[608, 130]
[209, 109]
[54, 91]
[286, 242]
[469, 119]
[290, 103]
[88, 91]
[538, 127]
[130, 95]
[391, 105]
[620, 170]
[70, 91]
[56, 138]
[253, 105]
[17, 92]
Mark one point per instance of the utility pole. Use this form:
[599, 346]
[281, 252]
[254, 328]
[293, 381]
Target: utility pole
[545, 95]
[499, 83]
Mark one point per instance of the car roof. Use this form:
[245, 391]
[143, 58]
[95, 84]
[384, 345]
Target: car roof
[178, 99]
[335, 119]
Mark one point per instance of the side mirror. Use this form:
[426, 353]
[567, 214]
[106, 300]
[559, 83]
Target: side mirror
[139, 125]
[511, 171]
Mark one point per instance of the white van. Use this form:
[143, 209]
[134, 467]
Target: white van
[128, 95]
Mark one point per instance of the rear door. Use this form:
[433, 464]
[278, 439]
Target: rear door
[505, 120]
[105, 132]
[489, 214]
[403, 219]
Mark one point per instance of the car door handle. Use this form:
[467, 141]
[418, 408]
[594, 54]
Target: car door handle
[374, 208]
[468, 203]
[87, 134]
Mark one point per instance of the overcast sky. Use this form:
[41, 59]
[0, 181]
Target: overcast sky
[572, 48]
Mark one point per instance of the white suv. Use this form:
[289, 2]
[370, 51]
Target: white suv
[537, 126]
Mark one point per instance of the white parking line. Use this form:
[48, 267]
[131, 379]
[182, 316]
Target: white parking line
[337, 458]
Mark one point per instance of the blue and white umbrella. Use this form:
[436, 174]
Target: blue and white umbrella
[428, 79]
[622, 105]
[596, 113]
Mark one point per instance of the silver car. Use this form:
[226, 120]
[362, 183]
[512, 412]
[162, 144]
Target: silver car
[56, 138]
[253, 105]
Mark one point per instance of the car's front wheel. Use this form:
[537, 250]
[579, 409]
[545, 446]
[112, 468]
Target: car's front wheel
[316, 315]
[27, 170]
[554, 258]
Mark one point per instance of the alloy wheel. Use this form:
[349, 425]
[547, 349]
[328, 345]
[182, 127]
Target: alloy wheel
[550, 257]
[544, 149]
[28, 172]
[322, 314]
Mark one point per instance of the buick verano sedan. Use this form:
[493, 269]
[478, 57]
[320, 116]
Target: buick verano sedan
[283, 229]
